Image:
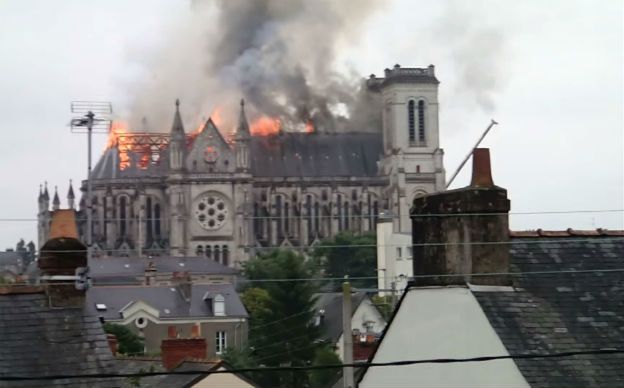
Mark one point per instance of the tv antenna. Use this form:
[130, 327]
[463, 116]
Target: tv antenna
[90, 117]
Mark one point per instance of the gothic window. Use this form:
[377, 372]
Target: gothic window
[317, 216]
[157, 220]
[286, 219]
[208, 252]
[257, 221]
[421, 121]
[375, 211]
[278, 216]
[339, 214]
[148, 218]
[324, 195]
[309, 216]
[105, 215]
[346, 216]
[225, 254]
[123, 215]
[199, 251]
[217, 254]
[411, 122]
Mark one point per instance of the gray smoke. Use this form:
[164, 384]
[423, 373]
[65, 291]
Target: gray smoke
[278, 55]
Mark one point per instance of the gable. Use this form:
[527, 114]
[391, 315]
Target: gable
[445, 322]
[210, 153]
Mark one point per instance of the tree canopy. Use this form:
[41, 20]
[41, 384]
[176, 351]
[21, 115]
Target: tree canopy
[349, 254]
[127, 341]
[282, 330]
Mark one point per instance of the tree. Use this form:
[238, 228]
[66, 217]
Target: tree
[127, 341]
[320, 378]
[349, 254]
[25, 251]
[282, 330]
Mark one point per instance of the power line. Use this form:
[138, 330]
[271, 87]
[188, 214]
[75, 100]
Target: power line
[334, 216]
[513, 240]
[525, 356]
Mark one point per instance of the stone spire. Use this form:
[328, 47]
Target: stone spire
[40, 197]
[46, 195]
[177, 129]
[70, 195]
[243, 126]
[56, 202]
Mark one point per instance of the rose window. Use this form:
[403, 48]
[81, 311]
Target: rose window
[211, 211]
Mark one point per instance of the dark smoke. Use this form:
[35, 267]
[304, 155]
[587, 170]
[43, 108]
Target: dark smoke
[278, 55]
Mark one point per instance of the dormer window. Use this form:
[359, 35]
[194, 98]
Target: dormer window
[219, 305]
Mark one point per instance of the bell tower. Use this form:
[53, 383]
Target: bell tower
[412, 154]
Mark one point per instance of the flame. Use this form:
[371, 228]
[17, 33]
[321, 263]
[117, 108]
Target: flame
[265, 126]
[309, 127]
[117, 128]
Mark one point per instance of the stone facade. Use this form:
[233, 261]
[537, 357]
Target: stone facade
[202, 194]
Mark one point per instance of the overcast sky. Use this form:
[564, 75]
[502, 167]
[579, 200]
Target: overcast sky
[551, 72]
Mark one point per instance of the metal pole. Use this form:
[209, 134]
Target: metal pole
[90, 117]
[493, 123]
[347, 350]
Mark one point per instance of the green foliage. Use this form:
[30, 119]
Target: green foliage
[384, 305]
[26, 251]
[349, 254]
[320, 378]
[127, 341]
[281, 315]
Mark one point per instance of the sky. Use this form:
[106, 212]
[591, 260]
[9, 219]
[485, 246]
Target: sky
[551, 73]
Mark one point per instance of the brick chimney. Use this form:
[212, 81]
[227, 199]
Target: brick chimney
[62, 255]
[176, 350]
[112, 343]
[463, 231]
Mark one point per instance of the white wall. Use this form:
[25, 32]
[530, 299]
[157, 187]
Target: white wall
[445, 322]
[365, 312]
[389, 265]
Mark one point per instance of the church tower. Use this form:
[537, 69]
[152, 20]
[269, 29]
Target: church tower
[412, 154]
[243, 138]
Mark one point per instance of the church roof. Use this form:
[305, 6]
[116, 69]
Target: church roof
[316, 155]
[285, 155]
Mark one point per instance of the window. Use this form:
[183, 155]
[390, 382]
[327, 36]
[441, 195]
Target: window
[148, 218]
[225, 254]
[409, 252]
[217, 254]
[398, 253]
[411, 122]
[339, 213]
[220, 342]
[278, 216]
[122, 216]
[157, 220]
[208, 252]
[421, 121]
[219, 305]
[199, 251]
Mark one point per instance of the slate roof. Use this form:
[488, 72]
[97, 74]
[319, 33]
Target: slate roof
[316, 155]
[164, 298]
[563, 312]
[120, 267]
[331, 302]
[285, 155]
[38, 340]
[191, 379]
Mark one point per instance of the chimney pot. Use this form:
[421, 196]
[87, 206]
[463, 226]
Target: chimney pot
[195, 330]
[172, 332]
[481, 170]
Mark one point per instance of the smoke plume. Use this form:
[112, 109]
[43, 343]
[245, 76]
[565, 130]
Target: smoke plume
[278, 55]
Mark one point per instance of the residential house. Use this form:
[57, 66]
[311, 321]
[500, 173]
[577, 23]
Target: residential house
[366, 320]
[479, 290]
[153, 311]
[46, 330]
[208, 379]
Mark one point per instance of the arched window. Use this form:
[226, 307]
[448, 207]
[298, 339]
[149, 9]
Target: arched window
[199, 251]
[278, 217]
[421, 121]
[157, 220]
[257, 221]
[287, 219]
[148, 218]
[208, 252]
[309, 216]
[317, 217]
[411, 121]
[225, 254]
[217, 254]
[339, 212]
[123, 215]
[346, 216]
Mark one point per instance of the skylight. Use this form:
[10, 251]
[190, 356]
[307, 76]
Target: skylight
[100, 307]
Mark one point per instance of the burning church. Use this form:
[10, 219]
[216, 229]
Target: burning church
[225, 196]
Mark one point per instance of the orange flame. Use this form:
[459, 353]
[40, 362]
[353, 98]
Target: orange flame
[309, 127]
[265, 126]
[117, 128]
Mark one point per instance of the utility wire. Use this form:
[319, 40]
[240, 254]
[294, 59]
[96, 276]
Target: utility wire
[519, 241]
[525, 356]
[335, 216]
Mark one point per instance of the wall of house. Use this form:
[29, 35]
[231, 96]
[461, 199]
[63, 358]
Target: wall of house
[366, 312]
[441, 322]
[390, 266]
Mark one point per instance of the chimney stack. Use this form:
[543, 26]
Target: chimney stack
[63, 255]
[176, 350]
[463, 231]
[112, 343]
